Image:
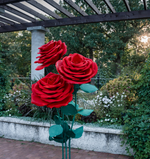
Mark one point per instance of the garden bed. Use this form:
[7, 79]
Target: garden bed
[94, 138]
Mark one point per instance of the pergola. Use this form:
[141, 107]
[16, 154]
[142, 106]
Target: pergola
[15, 15]
[9, 22]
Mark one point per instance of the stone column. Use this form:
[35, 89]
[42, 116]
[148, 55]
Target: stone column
[38, 39]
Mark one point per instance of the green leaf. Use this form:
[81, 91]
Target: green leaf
[70, 133]
[61, 139]
[50, 138]
[78, 132]
[57, 120]
[85, 112]
[65, 127]
[88, 88]
[69, 110]
[73, 103]
[55, 130]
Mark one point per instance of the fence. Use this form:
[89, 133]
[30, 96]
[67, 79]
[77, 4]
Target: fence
[98, 81]
[23, 79]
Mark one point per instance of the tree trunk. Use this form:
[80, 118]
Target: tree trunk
[117, 63]
[91, 53]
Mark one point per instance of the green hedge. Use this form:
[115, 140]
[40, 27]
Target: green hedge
[137, 119]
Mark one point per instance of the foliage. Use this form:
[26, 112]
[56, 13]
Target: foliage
[137, 130]
[110, 108]
[18, 103]
[137, 119]
[15, 52]
[108, 42]
[92, 118]
[19, 96]
[4, 83]
[120, 85]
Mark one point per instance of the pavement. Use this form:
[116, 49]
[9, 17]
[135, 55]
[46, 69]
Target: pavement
[13, 149]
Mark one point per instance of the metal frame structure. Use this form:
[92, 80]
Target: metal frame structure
[13, 19]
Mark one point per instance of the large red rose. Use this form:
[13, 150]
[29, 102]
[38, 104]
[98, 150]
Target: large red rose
[50, 53]
[76, 69]
[51, 91]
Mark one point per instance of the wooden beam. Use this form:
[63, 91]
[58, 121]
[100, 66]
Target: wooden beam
[2, 24]
[145, 4]
[14, 11]
[6, 21]
[60, 8]
[77, 8]
[31, 11]
[44, 9]
[94, 8]
[110, 6]
[2, 10]
[127, 5]
[3, 2]
[133, 15]
[11, 17]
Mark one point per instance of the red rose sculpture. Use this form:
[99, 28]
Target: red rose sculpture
[76, 69]
[51, 91]
[50, 53]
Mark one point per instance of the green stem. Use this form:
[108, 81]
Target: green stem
[66, 149]
[69, 149]
[76, 100]
[62, 143]
[58, 113]
[72, 122]
[76, 108]
[62, 150]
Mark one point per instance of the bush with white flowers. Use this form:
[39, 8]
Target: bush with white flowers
[109, 109]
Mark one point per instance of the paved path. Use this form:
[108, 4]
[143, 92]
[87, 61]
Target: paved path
[13, 149]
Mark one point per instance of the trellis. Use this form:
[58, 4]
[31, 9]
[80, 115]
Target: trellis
[13, 19]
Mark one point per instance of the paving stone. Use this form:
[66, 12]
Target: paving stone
[13, 149]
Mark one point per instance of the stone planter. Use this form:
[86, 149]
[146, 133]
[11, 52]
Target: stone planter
[95, 139]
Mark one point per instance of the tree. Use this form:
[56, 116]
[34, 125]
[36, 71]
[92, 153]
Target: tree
[15, 52]
[107, 41]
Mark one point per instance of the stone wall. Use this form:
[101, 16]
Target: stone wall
[95, 139]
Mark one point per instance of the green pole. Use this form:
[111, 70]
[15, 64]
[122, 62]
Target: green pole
[72, 125]
[66, 149]
[69, 149]
[62, 150]
[63, 137]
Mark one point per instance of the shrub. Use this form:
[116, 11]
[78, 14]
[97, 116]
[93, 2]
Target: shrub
[4, 87]
[137, 119]
[92, 118]
[18, 100]
[109, 108]
[120, 85]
